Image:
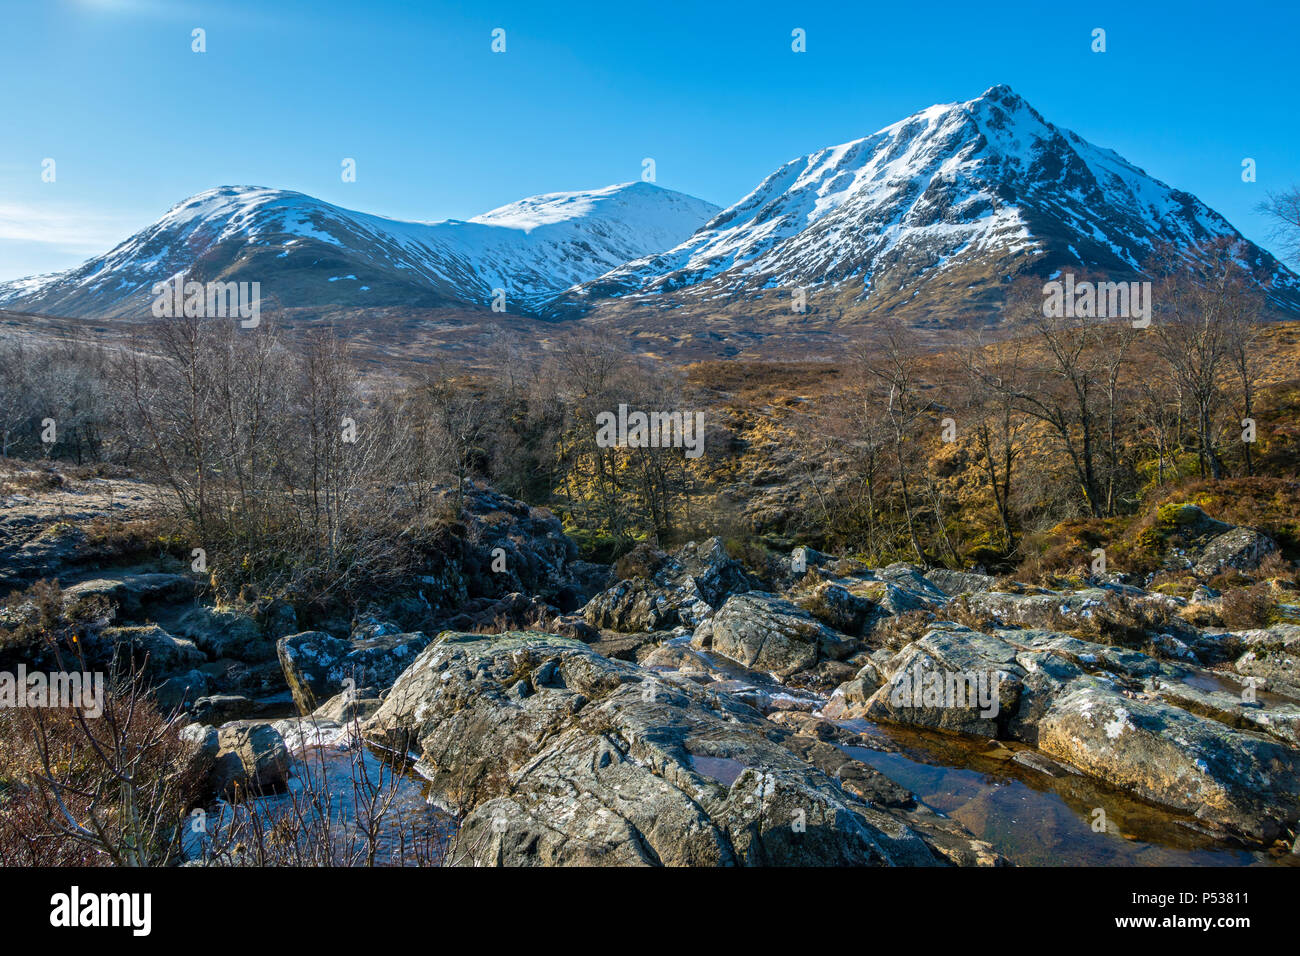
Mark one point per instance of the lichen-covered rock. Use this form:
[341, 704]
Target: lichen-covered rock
[637, 604]
[559, 756]
[1272, 657]
[786, 570]
[1229, 778]
[223, 708]
[1242, 709]
[316, 665]
[1240, 548]
[1037, 610]
[952, 679]
[850, 699]
[769, 633]
[913, 579]
[959, 582]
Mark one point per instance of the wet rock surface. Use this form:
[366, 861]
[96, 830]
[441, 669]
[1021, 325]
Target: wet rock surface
[561, 756]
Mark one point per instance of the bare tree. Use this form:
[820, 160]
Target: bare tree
[1284, 209]
[1202, 310]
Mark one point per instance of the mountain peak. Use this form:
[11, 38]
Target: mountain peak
[982, 190]
[1001, 93]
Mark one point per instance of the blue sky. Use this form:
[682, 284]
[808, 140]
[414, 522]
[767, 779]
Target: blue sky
[440, 126]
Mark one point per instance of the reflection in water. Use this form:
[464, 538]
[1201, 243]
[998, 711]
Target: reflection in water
[345, 805]
[1036, 819]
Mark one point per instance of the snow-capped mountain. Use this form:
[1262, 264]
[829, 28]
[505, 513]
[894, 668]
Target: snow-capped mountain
[950, 202]
[928, 217]
[310, 253]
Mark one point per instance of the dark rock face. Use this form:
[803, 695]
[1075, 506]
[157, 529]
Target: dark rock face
[637, 604]
[510, 547]
[316, 665]
[154, 648]
[561, 756]
[131, 592]
[714, 574]
[228, 634]
[683, 589]
[511, 612]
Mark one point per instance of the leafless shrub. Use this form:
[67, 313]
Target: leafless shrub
[366, 814]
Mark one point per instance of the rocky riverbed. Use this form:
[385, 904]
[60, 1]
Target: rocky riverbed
[698, 712]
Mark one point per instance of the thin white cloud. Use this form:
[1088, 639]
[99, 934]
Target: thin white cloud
[37, 238]
[78, 230]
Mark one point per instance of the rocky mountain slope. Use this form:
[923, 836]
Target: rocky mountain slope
[941, 206]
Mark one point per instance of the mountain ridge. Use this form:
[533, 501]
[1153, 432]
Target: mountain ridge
[928, 218]
[987, 182]
[532, 248]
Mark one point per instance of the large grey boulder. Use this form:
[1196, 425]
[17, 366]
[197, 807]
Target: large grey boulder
[768, 633]
[1241, 549]
[632, 606]
[181, 689]
[952, 679]
[316, 665]
[558, 756]
[1228, 778]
